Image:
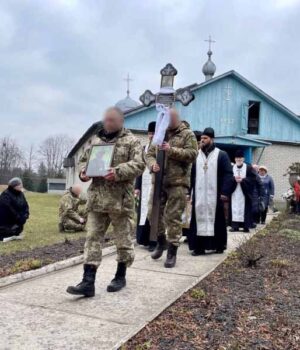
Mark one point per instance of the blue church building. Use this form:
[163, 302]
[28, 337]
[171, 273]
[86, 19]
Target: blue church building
[243, 116]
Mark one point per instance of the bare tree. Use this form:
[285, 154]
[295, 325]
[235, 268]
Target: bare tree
[30, 158]
[53, 150]
[11, 156]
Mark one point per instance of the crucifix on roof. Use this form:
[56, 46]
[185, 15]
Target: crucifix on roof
[210, 41]
[128, 80]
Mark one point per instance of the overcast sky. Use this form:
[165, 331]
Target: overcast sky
[62, 62]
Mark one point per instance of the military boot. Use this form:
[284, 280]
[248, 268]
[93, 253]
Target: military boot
[87, 286]
[171, 256]
[160, 247]
[119, 281]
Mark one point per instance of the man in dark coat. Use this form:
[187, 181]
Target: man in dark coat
[143, 186]
[242, 196]
[14, 210]
[211, 185]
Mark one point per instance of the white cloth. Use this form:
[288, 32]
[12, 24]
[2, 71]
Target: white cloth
[238, 198]
[206, 192]
[145, 196]
[162, 123]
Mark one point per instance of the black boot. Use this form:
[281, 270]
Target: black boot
[171, 256]
[151, 247]
[119, 281]
[160, 247]
[87, 286]
[198, 252]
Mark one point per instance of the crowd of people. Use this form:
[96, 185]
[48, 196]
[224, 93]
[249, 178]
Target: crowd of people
[196, 174]
[200, 186]
[220, 193]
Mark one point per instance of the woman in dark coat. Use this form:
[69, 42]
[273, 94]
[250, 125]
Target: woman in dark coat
[269, 190]
[14, 210]
[258, 198]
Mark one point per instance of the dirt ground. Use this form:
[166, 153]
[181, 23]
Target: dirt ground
[238, 307]
[31, 259]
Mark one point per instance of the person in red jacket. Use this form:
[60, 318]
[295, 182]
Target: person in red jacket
[297, 194]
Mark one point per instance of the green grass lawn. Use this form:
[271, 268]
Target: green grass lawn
[42, 227]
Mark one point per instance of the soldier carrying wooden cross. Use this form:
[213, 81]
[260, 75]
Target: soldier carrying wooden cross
[170, 157]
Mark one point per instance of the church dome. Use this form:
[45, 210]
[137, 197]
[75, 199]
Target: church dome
[209, 68]
[127, 103]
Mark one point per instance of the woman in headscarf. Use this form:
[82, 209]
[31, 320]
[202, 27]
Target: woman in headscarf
[14, 210]
[269, 191]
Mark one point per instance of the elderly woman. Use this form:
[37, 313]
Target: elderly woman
[268, 184]
[14, 211]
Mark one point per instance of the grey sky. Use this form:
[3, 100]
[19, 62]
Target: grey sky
[62, 62]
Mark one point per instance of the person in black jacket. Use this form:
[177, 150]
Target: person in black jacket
[14, 210]
[258, 198]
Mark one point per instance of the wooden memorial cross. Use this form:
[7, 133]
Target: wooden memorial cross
[166, 97]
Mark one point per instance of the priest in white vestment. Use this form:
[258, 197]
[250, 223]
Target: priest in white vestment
[143, 186]
[242, 196]
[212, 182]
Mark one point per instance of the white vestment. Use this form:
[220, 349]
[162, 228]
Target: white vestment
[238, 198]
[145, 195]
[206, 192]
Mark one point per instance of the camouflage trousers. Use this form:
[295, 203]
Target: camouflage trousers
[97, 225]
[172, 205]
[71, 225]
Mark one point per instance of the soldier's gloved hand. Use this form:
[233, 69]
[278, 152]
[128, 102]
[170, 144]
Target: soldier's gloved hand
[111, 175]
[155, 168]
[83, 176]
[137, 193]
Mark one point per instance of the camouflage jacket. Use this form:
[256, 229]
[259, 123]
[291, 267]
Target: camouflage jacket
[128, 161]
[68, 207]
[179, 159]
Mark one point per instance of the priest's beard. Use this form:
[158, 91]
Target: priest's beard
[207, 148]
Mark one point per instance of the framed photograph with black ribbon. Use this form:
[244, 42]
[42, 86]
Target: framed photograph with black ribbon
[100, 160]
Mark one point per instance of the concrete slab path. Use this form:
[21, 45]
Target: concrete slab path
[38, 314]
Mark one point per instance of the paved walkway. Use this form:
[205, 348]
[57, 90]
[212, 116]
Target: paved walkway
[38, 314]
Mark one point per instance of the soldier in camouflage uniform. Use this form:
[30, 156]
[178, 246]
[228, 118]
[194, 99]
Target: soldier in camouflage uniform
[181, 151]
[111, 200]
[71, 217]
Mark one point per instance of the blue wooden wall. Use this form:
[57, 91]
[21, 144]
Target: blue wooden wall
[222, 104]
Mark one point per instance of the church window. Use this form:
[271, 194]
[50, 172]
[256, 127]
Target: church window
[253, 117]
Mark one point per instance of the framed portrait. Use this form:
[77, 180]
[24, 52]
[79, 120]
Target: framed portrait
[100, 160]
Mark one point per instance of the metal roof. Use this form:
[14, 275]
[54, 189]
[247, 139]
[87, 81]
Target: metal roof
[240, 78]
